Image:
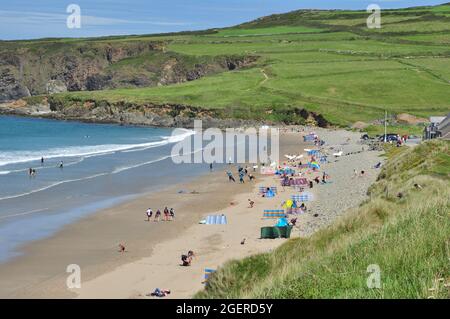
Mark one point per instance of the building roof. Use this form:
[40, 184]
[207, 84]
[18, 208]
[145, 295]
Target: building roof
[444, 127]
[436, 119]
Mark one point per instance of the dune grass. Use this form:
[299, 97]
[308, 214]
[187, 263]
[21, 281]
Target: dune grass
[407, 238]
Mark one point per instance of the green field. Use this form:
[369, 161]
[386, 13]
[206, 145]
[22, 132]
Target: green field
[328, 62]
[406, 237]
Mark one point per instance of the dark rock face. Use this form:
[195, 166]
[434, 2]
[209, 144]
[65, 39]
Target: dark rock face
[97, 65]
[97, 82]
[10, 88]
[167, 115]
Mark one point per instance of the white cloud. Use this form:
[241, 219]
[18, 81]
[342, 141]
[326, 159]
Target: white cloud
[39, 18]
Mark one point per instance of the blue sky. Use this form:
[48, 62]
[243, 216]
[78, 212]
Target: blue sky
[27, 19]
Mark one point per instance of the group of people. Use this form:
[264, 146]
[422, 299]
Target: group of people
[242, 173]
[32, 171]
[169, 215]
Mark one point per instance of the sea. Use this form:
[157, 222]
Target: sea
[102, 165]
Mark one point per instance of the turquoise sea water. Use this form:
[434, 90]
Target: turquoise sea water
[102, 165]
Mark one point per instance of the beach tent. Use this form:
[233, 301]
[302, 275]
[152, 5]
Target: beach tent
[282, 222]
[288, 204]
[276, 232]
[273, 213]
[216, 220]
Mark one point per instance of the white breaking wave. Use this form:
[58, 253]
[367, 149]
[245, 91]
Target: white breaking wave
[53, 185]
[115, 171]
[16, 157]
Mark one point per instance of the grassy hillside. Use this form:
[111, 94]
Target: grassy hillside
[328, 62]
[408, 238]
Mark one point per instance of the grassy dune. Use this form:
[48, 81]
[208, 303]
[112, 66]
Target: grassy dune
[324, 61]
[408, 238]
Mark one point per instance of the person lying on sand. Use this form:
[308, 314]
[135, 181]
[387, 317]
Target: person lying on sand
[159, 293]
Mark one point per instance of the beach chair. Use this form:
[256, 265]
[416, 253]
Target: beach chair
[208, 273]
[273, 213]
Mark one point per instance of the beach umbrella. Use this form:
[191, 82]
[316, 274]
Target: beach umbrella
[315, 165]
[289, 203]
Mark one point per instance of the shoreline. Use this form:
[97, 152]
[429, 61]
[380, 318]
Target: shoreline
[92, 242]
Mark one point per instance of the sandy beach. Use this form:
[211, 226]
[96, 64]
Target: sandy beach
[153, 250]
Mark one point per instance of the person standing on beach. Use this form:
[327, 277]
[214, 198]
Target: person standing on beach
[157, 215]
[210, 167]
[172, 214]
[61, 164]
[149, 213]
[42, 160]
[166, 214]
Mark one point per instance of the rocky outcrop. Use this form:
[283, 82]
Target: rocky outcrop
[55, 86]
[10, 87]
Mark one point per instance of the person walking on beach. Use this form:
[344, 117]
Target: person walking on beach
[210, 167]
[172, 214]
[149, 213]
[230, 177]
[157, 215]
[241, 178]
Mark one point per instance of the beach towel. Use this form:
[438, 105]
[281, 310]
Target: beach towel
[263, 189]
[216, 220]
[267, 170]
[313, 152]
[305, 197]
[273, 213]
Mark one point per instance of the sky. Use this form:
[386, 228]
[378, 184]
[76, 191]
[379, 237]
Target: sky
[30, 19]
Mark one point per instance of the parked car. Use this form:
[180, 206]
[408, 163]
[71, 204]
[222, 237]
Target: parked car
[389, 137]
